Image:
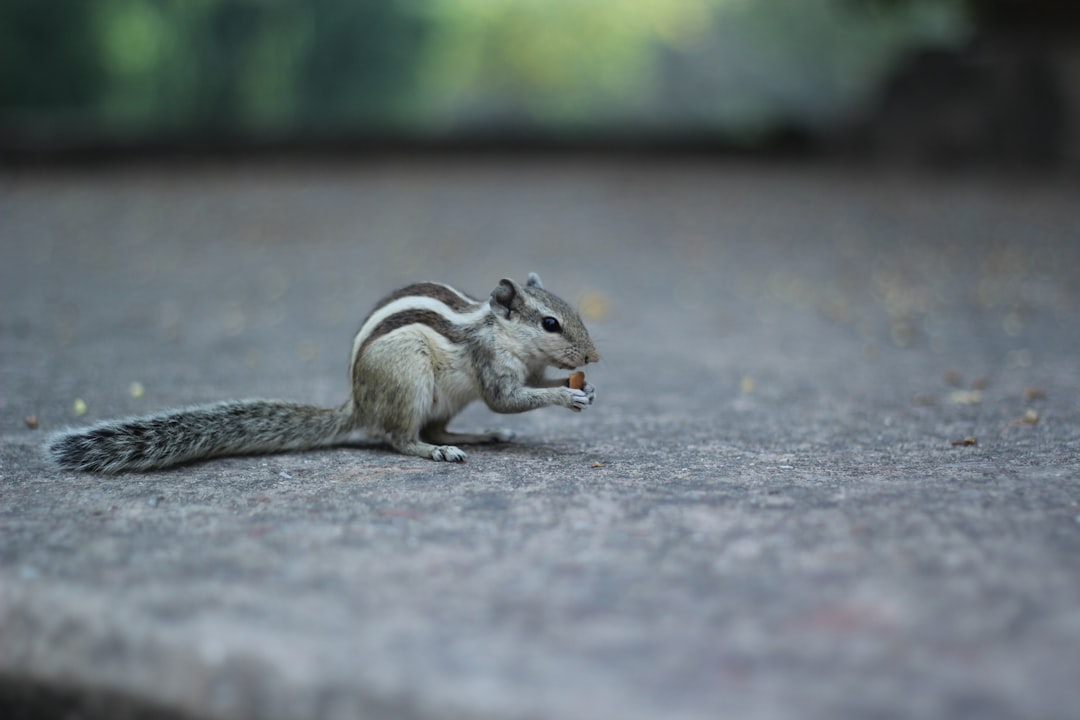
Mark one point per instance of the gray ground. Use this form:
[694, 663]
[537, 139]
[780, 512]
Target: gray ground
[763, 516]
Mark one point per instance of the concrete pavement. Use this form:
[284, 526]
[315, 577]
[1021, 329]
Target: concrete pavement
[767, 514]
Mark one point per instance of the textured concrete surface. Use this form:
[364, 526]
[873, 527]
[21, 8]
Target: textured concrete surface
[764, 515]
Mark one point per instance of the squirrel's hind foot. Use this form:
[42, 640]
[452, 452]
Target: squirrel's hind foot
[449, 453]
[439, 453]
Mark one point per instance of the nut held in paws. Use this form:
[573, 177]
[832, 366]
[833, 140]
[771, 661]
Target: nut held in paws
[576, 380]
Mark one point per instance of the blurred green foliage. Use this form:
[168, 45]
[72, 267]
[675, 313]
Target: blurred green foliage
[256, 69]
[123, 68]
[669, 66]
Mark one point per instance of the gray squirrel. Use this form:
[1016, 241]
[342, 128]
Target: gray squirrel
[423, 354]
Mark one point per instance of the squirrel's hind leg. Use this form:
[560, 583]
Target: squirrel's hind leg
[417, 447]
[402, 402]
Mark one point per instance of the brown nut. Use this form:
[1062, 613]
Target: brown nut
[576, 380]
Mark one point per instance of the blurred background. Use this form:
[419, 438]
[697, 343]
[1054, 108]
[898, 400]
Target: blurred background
[940, 82]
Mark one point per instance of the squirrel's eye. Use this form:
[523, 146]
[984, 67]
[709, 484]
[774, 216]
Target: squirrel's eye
[551, 325]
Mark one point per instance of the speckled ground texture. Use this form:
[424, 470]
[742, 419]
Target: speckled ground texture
[762, 517]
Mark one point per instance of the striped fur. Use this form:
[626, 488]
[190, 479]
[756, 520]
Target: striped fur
[439, 302]
[421, 355]
[448, 296]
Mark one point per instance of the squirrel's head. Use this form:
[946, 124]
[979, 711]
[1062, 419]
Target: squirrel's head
[547, 329]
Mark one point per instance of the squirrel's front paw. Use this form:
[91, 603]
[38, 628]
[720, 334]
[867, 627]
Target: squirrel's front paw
[590, 392]
[576, 400]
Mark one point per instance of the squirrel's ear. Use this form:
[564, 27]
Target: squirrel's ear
[504, 294]
[534, 281]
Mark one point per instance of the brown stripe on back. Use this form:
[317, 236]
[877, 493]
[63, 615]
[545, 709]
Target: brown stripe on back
[428, 289]
[435, 321]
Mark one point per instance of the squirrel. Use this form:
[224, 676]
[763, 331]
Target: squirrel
[423, 354]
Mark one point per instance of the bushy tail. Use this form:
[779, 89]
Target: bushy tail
[179, 436]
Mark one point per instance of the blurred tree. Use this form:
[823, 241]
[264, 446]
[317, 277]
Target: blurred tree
[132, 71]
[360, 67]
[48, 59]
